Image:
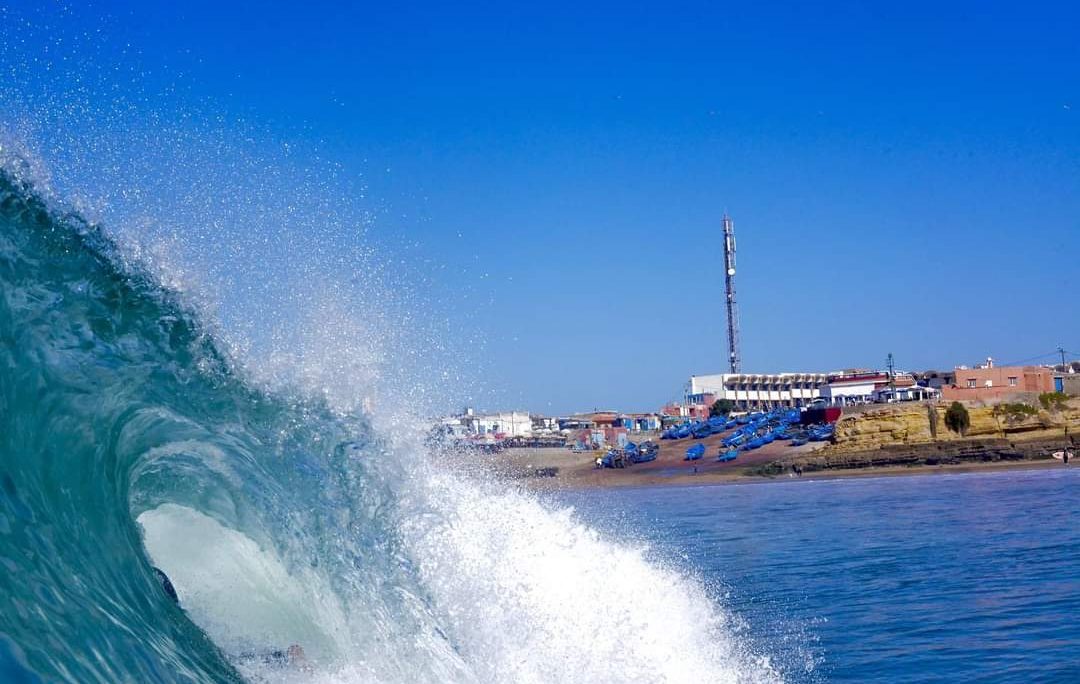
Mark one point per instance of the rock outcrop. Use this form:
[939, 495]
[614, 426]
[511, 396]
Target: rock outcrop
[915, 434]
[909, 424]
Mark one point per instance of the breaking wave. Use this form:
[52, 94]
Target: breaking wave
[129, 440]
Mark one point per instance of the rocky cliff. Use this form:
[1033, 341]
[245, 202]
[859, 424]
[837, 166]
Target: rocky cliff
[909, 424]
[915, 434]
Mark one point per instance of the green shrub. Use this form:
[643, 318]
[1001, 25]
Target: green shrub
[722, 407]
[1015, 412]
[957, 418]
[1053, 401]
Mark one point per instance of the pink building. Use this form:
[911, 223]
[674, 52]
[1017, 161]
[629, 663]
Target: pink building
[995, 382]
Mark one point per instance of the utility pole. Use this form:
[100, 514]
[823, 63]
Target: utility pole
[892, 376]
[732, 306]
[1061, 350]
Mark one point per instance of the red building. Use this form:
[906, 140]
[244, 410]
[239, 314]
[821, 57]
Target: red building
[995, 382]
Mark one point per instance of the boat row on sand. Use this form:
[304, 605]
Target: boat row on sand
[699, 429]
[751, 431]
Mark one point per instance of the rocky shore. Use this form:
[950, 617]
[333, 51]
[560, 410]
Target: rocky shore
[913, 435]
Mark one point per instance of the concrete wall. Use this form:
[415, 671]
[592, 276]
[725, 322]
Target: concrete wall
[1071, 384]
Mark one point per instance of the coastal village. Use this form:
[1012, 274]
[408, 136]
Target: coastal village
[834, 413]
[768, 424]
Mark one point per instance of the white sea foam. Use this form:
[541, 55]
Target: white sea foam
[529, 593]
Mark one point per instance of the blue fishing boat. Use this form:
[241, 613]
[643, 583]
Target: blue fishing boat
[733, 440]
[702, 431]
[727, 456]
[755, 443]
[695, 452]
[821, 434]
[643, 456]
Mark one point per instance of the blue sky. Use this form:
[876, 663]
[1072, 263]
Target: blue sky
[903, 179]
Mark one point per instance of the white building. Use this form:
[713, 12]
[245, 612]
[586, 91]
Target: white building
[888, 395]
[507, 423]
[544, 424]
[851, 388]
[753, 391]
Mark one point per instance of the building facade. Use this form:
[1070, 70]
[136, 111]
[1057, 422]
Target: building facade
[995, 382]
[757, 391]
[854, 387]
[1067, 383]
[503, 424]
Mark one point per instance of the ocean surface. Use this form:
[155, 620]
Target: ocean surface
[129, 440]
[937, 578]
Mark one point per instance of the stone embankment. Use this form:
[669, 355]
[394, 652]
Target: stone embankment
[916, 435]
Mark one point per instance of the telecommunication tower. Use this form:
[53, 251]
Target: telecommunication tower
[729, 282]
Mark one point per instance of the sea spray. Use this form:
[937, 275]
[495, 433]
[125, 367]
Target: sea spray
[127, 438]
[206, 366]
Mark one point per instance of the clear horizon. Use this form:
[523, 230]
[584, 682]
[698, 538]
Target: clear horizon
[901, 180]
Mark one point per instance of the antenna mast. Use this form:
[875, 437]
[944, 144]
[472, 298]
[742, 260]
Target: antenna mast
[729, 282]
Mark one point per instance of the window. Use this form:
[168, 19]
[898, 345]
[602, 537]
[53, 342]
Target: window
[972, 383]
[1013, 382]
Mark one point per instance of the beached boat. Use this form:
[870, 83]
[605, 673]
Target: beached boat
[729, 455]
[798, 441]
[733, 440]
[822, 434]
[755, 443]
[643, 456]
[695, 452]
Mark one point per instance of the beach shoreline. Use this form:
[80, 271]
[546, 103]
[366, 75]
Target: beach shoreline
[880, 441]
[561, 469]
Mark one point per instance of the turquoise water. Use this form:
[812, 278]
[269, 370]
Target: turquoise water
[957, 578]
[129, 440]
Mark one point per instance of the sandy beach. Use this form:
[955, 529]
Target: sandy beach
[562, 468]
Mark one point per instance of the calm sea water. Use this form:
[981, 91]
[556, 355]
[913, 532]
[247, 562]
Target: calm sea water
[967, 577]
